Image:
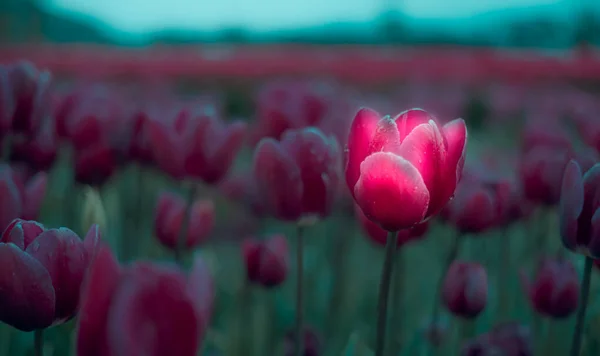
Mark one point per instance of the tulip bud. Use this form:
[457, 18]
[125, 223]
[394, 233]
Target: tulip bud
[465, 289]
[92, 210]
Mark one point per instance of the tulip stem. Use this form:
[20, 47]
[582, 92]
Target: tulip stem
[449, 259]
[503, 276]
[585, 291]
[38, 342]
[299, 347]
[182, 237]
[397, 307]
[384, 291]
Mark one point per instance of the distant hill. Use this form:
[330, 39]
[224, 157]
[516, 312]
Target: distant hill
[544, 26]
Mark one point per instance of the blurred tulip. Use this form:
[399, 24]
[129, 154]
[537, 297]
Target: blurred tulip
[169, 215]
[41, 274]
[30, 91]
[267, 262]
[241, 188]
[379, 236]
[579, 210]
[39, 152]
[311, 343]
[11, 204]
[554, 291]
[510, 339]
[144, 309]
[541, 170]
[478, 206]
[297, 178]
[402, 171]
[465, 289]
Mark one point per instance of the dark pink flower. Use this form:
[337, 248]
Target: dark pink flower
[267, 261]
[144, 309]
[403, 170]
[465, 289]
[579, 209]
[42, 271]
[298, 178]
[554, 290]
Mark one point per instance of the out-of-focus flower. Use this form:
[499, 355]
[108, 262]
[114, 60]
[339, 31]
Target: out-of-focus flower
[169, 216]
[465, 289]
[510, 339]
[554, 290]
[311, 343]
[144, 309]
[379, 236]
[39, 152]
[267, 262]
[42, 271]
[241, 188]
[298, 177]
[403, 170]
[541, 170]
[579, 210]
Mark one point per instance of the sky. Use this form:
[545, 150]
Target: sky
[142, 16]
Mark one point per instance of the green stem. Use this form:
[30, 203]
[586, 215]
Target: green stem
[585, 292]
[339, 253]
[299, 347]
[504, 264]
[384, 291]
[397, 312]
[181, 238]
[452, 254]
[38, 342]
[467, 331]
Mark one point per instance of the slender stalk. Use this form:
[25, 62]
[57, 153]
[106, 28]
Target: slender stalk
[467, 331]
[5, 339]
[384, 291]
[339, 252]
[246, 322]
[299, 347]
[129, 244]
[585, 292]
[181, 238]
[396, 342]
[452, 254]
[505, 264]
[38, 342]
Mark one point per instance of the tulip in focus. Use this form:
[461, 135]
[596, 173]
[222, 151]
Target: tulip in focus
[42, 271]
[298, 177]
[465, 289]
[403, 170]
[267, 262]
[554, 290]
[143, 309]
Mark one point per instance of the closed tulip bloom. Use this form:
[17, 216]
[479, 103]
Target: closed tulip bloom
[169, 215]
[267, 262]
[465, 289]
[554, 291]
[42, 271]
[143, 309]
[403, 170]
[541, 170]
[579, 210]
[297, 177]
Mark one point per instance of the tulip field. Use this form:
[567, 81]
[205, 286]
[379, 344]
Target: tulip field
[297, 216]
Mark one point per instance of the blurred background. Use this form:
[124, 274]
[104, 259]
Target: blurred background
[213, 36]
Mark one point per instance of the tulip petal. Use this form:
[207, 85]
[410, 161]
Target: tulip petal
[571, 204]
[409, 119]
[274, 261]
[386, 137]
[594, 244]
[361, 134]
[455, 133]
[424, 148]
[278, 180]
[62, 252]
[391, 191]
[152, 315]
[27, 298]
[97, 290]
